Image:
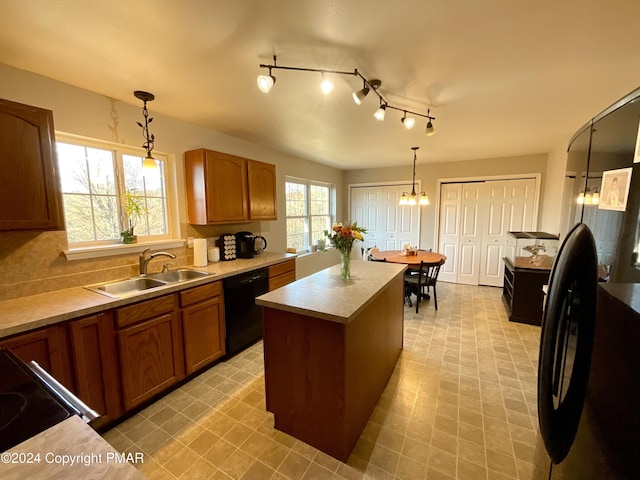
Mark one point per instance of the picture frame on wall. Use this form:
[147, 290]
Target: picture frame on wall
[615, 189]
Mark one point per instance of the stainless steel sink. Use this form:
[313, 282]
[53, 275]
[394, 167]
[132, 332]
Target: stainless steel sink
[181, 275]
[128, 287]
[133, 286]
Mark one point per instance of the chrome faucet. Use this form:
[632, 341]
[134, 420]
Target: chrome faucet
[144, 260]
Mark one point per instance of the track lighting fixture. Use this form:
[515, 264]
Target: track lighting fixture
[149, 163]
[408, 122]
[414, 198]
[380, 112]
[265, 82]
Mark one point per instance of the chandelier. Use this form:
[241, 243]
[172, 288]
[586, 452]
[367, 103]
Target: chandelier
[414, 198]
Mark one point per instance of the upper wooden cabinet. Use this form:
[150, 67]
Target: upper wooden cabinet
[223, 188]
[30, 197]
[262, 190]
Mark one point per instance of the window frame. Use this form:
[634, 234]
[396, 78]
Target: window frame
[99, 248]
[308, 216]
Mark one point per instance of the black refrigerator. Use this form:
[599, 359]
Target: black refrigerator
[589, 363]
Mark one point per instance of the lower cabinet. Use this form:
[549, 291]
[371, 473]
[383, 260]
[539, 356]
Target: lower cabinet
[49, 347]
[522, 293]
[282, 274]
[202, 316]
[118, 359]
[151, 353]
[95, 356]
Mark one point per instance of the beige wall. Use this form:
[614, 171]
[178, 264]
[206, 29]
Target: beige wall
[429, 174]
[27, 258]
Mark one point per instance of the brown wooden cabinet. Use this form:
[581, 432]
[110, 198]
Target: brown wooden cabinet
[282, 274]
[223, 188]
[262, 190]
[95, 355]
[522, 293]
[151, 350]
[49, 347]
[30, 197]
[202, 325]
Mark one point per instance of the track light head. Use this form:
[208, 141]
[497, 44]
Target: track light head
[408, 122]
[265, 82]
[326, 85]
[380, 112]
[429, 130]
[359, 96]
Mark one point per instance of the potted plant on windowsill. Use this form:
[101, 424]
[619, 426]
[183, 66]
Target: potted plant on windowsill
[134, 209]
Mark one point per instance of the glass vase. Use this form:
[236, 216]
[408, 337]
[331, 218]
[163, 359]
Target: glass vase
[345, 265]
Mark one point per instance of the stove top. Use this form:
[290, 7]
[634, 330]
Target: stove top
[26, 406]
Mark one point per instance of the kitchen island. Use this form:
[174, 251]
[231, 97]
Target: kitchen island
[330, 347]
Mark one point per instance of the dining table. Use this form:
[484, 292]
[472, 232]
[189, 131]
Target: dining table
[412, 261]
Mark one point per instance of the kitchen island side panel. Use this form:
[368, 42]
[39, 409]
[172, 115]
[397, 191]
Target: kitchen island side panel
[374, 343]
[323, 378]
[304, 376]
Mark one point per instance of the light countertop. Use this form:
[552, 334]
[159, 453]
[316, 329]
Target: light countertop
[27, 313]
[42, 456]
[325, 295]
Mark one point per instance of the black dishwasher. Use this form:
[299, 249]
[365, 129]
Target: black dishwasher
[243, 318]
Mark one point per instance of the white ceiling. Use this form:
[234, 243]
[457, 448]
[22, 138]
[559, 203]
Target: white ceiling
[502, 77]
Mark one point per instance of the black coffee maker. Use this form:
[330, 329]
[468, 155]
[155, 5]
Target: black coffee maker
[248, 244]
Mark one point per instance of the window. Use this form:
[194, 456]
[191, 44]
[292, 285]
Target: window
[308, 212]
[96, 179]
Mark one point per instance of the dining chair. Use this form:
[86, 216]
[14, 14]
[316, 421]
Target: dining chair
[370, 256]
[426, 277]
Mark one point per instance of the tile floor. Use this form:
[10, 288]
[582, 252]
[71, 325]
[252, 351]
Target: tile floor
[461, 404]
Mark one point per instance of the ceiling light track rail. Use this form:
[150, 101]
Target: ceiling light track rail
[265, 82]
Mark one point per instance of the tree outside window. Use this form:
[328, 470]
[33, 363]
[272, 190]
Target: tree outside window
[94, 181]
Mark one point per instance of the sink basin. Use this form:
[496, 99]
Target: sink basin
[126, 288]
[133, 286]
[181, 275]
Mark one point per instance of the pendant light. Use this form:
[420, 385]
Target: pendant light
[149, 163]
[412, 198]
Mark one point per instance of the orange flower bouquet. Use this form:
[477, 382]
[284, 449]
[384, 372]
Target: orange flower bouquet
[342, 238]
